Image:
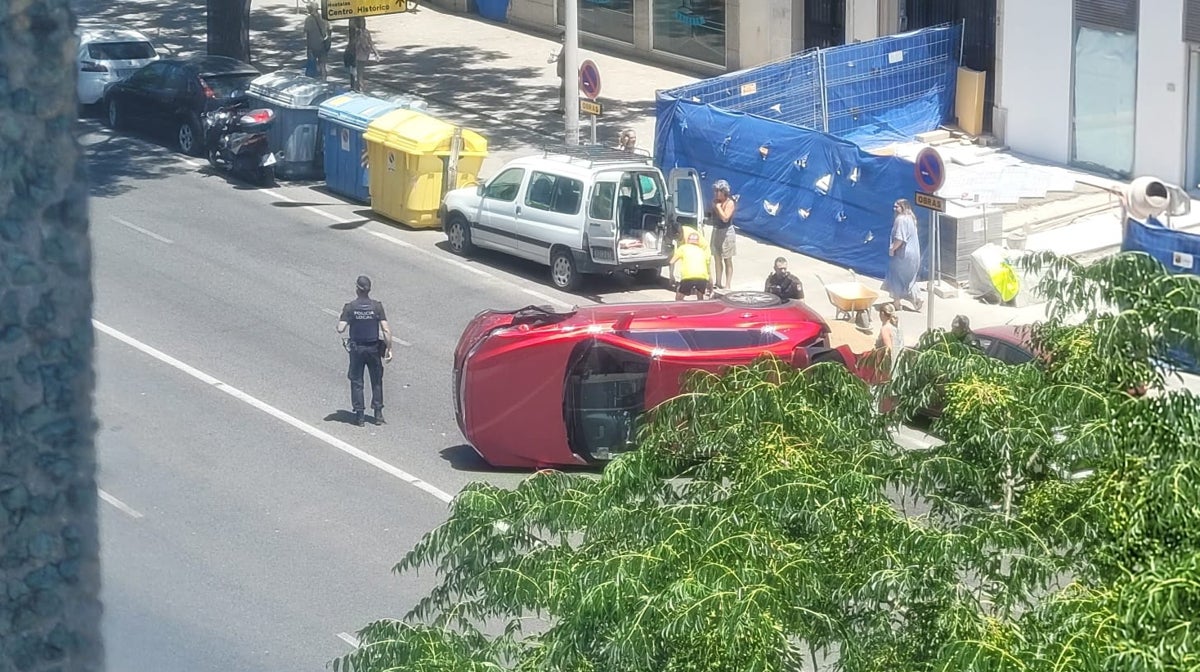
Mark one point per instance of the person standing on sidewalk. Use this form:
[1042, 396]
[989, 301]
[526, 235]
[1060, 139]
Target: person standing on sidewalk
[318, 37]
[904, 251]
[561, 60]
[359, 52]
[366, 320]
[724, 244]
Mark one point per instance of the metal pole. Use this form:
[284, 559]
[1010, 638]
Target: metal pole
[593, 129]
[934, 219]
[571, 70]
[452, 164]
[962, 41]
[824, 90]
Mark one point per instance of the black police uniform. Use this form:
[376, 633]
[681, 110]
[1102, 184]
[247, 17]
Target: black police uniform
[366, 350]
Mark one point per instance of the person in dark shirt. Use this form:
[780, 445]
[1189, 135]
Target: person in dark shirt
[365, 318]
[784, 284]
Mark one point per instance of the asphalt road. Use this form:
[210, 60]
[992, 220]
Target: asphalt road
[247, 523]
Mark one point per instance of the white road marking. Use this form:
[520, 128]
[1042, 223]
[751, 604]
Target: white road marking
[135, 227]
[277, 414]
[348, 638]
[311, 208]
[119, 505]
[445, 260]
[330, 311]
[546, 297]
[401, 341]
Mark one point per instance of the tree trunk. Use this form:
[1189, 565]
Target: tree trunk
[49, 558]
[229, 29]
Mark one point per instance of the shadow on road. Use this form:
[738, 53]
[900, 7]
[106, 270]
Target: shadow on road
[464, 458]
[117, 164]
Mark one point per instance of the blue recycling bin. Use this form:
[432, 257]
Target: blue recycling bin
[343, 120]
[495, 10]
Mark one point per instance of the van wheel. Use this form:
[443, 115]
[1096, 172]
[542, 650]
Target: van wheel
[458, 234]
[563, 273]
[751, 299]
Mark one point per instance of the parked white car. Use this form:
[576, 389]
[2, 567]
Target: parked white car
[107, 55]
[578, 210]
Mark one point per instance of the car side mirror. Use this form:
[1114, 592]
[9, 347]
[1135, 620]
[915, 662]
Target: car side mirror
[479, 190]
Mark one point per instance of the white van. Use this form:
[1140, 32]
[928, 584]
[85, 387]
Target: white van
[578, 210]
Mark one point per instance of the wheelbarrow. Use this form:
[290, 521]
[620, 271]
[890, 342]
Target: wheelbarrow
[853, 300]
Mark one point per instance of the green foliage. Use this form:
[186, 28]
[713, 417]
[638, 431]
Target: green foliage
[768, 522]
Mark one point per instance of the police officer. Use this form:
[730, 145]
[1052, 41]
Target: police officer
[366, 319]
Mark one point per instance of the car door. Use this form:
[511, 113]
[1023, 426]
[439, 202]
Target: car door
[686, 198]
[171, 96]
[600, 228]
[550, 214]
[134, 94]
[497, 222]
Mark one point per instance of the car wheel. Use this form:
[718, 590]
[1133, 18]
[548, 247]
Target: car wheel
[563, 273]
[751, 299]
[458, 234]
[188, 137]
[113, 115]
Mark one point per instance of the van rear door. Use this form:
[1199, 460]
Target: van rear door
[600, 219]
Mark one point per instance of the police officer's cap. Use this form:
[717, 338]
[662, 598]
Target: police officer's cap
[364, 283]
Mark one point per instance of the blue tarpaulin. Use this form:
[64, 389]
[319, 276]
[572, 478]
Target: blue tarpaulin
[811, 193]
[1179, 251]
[817, 193]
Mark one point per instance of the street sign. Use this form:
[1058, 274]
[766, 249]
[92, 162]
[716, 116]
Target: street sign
[929, 170]
[589, 80]
[590, 107]
[345, 9]
[930, 202]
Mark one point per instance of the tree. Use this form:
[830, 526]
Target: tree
[49, 562]
[768, 522]
[229, 28]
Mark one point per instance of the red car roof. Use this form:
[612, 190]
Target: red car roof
[511, 367]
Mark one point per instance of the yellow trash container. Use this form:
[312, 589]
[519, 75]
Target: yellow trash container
[409, 157]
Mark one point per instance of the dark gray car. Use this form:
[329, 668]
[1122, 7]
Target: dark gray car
[168, 96]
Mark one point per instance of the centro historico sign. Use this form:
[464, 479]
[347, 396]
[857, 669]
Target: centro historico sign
[346, 9]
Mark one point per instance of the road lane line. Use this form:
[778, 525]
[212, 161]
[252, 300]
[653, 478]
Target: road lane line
[433, 255]
[135, 227]
[311, 208]
[330, 311]
[276, 413]
[349, 639]
[547, 297]
[119, 505]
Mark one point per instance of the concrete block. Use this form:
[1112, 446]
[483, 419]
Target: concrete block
[934, 136]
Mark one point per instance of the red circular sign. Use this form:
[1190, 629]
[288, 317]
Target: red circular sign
[589, 80]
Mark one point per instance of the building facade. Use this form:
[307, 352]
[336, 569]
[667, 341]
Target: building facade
[709, 36]
[1108, 86]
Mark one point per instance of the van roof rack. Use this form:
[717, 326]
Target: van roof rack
[594, 154]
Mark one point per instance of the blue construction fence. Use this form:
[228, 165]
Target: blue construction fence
[789, 136]
[1179, 251]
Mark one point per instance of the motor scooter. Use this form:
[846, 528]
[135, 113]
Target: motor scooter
[236, 139]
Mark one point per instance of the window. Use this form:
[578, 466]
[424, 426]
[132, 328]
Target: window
[671, 340]
[604, 195]
[150, 76]
[608, 18]
[690, 28]
[175, 79]
[705, 339]
[225, 86]
[1104, 99]
[606, 392]
[504, 187]
[554, 193]
[728, 339]
[120, 51]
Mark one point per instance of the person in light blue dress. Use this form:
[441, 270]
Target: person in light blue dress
[905, 252]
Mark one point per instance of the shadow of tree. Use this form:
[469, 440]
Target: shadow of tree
[116, 163]
[467, 84]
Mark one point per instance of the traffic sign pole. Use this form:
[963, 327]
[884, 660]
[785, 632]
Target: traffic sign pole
[930, 173]
[934, 219]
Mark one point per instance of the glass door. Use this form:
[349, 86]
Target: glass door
[1104, 99]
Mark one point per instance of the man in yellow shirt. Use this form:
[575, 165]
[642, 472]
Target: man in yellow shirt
[694, 261]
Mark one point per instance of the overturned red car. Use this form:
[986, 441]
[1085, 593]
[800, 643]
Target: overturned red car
[537, 388]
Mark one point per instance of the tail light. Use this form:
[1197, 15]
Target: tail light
[208, 90]
[253, 117]
[92, 66]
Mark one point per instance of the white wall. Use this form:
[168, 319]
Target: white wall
[1162, 84]
[862, 20]
[1034, 62]
[764, 31]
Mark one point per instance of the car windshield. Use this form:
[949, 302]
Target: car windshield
[224, 86]
[120, 51]
[605, 394]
